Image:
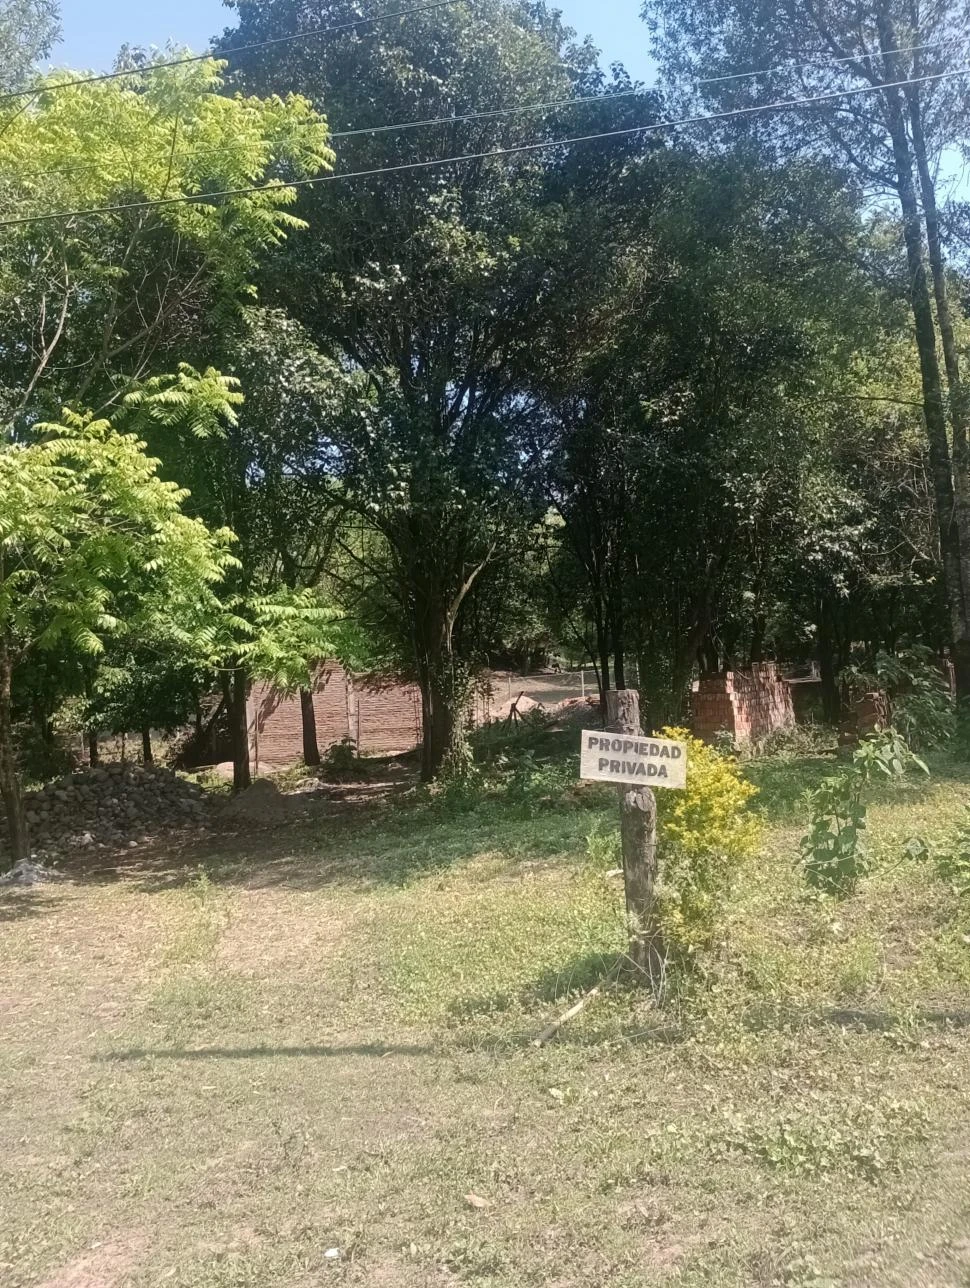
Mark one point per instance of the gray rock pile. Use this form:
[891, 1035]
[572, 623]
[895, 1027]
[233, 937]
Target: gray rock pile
[110, 806]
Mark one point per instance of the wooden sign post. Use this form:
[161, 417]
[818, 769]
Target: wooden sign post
[633, 761]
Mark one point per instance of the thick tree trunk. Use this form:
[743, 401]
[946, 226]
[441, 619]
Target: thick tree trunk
[444, 700]
[311, 750]
[94, 749]
[147, 754]
[444, 692]
[237, 691]
[9, 776]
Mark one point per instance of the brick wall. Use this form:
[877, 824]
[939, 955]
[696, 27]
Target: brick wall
[747, 704]
[388, 718]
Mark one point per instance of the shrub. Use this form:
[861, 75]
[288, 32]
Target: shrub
[833, 851]
[706, 833]
[922, 709]
[340, 761]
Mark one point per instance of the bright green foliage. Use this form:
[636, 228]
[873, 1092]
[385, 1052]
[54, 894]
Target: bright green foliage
[86, 524]
[200, 403]
[706, 833]
[277, 636]
[99, 302]
[834, 852]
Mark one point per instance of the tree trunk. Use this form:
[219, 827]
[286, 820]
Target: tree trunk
[147, 754]
[958, 401]
[638, 831]
[619, 644]
[941, 472]
[827, 666]
[94, 749]
[311, 750]
[444, 701]
[237, 707]
[759, 627]
[9, 776]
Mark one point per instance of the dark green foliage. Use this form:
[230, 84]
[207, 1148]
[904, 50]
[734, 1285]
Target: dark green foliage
[923, 709]
[834, 852]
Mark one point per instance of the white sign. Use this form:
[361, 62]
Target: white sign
[644, 762]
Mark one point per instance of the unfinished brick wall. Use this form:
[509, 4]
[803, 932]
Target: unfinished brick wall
[746, 704]
[387, 719]
[383, 719]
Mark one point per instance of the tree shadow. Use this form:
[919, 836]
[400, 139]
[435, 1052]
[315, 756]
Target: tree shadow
[561, 985]
[783, 783]
[768, 1017]
[365, 844]
[372, 1049]
[22, 904]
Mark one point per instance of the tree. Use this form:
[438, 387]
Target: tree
[689, 408]
[262, 472]
[432, 285]
[28, 31]
[103, 311]
[92, 544]
[92, 305]
[892, 137]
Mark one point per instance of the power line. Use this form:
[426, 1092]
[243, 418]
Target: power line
[831, 62]
[780, 105]
[481, 116]
[375, 129]
[224, 54]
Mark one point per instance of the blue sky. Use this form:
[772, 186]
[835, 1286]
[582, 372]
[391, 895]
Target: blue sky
[94, 29]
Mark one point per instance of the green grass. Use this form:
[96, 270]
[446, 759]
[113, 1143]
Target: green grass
[223, 1062]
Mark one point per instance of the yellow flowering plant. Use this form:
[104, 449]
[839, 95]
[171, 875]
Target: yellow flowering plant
[706, 833]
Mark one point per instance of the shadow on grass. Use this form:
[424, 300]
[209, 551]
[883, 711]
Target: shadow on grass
[768, 1017]
[573, 979]
[22, 904]
[783, 782]
[373, 1049]
[366, 845]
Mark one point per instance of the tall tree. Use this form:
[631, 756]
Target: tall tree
[28, 30]
[433, 284]
[902, 60]
[90, 305]
[92, 542]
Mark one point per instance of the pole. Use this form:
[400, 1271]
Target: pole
[638, 832]
[582, 683]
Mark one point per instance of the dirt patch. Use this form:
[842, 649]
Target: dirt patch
[257, 804]
[102, 1266]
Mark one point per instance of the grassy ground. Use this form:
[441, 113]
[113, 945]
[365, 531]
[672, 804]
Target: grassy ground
[223, 1062]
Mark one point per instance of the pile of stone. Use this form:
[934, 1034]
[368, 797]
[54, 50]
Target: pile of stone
[111, 806]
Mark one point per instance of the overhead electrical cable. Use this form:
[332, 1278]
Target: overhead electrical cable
[222, 54]
[518, 149]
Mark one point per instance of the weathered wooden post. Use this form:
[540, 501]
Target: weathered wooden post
[638, 832]
[621, 754]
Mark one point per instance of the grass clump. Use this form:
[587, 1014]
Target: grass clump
[815, 1138]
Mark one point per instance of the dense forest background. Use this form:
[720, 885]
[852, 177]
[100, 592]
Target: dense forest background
[430, 344]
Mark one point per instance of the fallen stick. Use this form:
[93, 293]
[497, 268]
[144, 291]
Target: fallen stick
[556, 1025]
